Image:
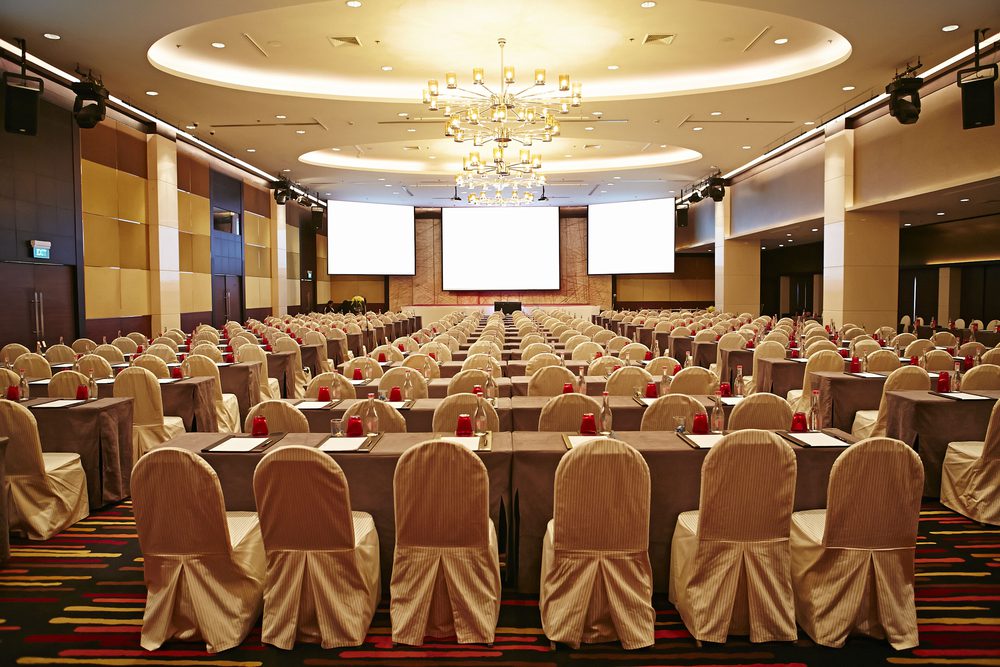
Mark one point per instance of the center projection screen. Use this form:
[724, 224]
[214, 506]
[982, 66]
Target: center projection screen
[370, 239]
[631, 237]
[500, 249]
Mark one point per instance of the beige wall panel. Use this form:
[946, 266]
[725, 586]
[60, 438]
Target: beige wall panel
[187, 284]
[102, 287]
[201, 215]
[185, 252]
[134, 249]
[322, 292]
[321, 242]
[202, 297]
[201, 253]
[789, 191]
[184, 212]
[630, 288]
[98, 189]
[135, 292]
[131, 197]
[293, 290]
[100, 241]
[292, 239]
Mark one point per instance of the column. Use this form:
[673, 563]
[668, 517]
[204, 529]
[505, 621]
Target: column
[164, 246]
[279, 260]
[949, 294]
[860, 249]
[737, 266]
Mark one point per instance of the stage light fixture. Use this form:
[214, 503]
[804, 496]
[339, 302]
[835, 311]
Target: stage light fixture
[90, 106]
[695, 196]
[904, 99]
[716, 188]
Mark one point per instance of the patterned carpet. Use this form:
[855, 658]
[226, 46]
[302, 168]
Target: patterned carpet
[78, 599]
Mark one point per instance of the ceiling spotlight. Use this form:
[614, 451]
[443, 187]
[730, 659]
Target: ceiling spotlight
[815, 229]
[251, 150]
[567, 155]
[589, 129]
[847, 89]
[746, 148]
[781, 40]
[964, 199]
[191, 127]
[403, 114]
[152, 93]
[388, 185]
[300, 131]
[907, 224]
[663, 145]
[717, 188]
[411, 129]
[52, 35]
[697, 128]
[763, 247]
[386, 68]
[597, 114]
[809, 122]
[90, 106]
[218, 45]
[788, 234]
[612, 67]
[281, 116]
[716, 113]
[948, 28]
[940, 213]
[904, 99]
[603, 192]
[286, 170]
[353, 4]
[781, 245]
[283, 190]
[617, 178]
[649, 4]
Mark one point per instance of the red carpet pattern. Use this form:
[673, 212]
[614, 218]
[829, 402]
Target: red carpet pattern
[78, 600]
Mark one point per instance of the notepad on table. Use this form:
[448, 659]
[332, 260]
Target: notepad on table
[701, 440]
[351, 444]
[239, 444]
[62, 403]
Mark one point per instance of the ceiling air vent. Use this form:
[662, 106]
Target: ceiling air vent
[337, 42]
[665, 40]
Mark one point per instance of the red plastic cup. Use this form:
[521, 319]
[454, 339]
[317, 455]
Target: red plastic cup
[568, 388]
[402, 348]
[615, 368]
[649, 355]
[357, 374]
[323, 394]
[677, 369]
[914, 361]
[951, 351]
[799, 424]
[230, 358]
[588, 425]
[795, 354]
[82, 393]
[13, 393]
[968, 362]
[725, 389]
[844, 352]
[395, 395]
[717, 337]
[750, 344]
[432, 355]
[792, 344]
[354, 429]
[943, 382]
[699, 425]
[463, 428]
[598, 355]
[138, 349]
[176, 372]
[381, 357]
[477, 389]
[259, 427]
[855, 365]
[651, 391]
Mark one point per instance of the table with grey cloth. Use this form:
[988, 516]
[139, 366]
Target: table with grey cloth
[987, 338]
[419, 417]
[704, 352]
[279, 367]
[369, 476]
[354, 342]
[778, 376]
[595, 384]
[4, 522]
[675, 476]
[516, 368]
[437, 388]
[733, 358]
[678, 346]
[100, 431]
[626, 413]
[243, 380]
[842, 395]
[336, 350]
[191, 399]
[310, 357]
[928, 422]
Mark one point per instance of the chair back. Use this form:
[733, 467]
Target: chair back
[549, 381]
[111, 353]
[396, 377]
[8, 378]
[197, 365]
[418, 361]
[253, 353]
[984, 376]
[659, 416]
[390, 420]
[530, 339]
[441, 352]
[540, 361]
[340, 387]
[627, 379]
[575, 341]
[65, 383]
[153, 364]
[367, 365]
[824, 361]
[769, 349]
[282, 417]
[463, 382]
[391, 353]
[938, 360]
[904, 378]
[125, 344]
[633, 352]
[34, 366]
[918, 348]
[991, 444]
[24, 448]
[163, 351]
[762, 411]
[209, 351]
[447, 412]
[565, 412]
[616, 344]
[11, 351]
[83, 346]
[141, 386]
[138, 338]
[882, 361]
[693, 381]
[59, 354]
[484, 362]
[534, 349]
[818, 345]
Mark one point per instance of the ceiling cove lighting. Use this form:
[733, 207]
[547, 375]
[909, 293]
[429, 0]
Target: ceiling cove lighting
[152, 93]
[648, 4]
[218, 45]
[353, 4]
[948, 28]
[53, 36]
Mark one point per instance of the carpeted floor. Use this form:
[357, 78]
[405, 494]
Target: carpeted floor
[78, 600]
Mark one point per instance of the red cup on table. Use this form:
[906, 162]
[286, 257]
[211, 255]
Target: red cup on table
[598, 355]
[229, 347]
[844, 352]
[699, 425]
[725, 389]
[463, 428]
[750, 344]
[799, 424]
[432, 355]
[651, 391]
[82, 393]
[402, 348]
[568, 388]
[176, 372]
[230, 358]
[968, 362]
[267, 347]
[677, 369]
[855, 365]
[717, 337]
[259, 426]
[395, 395]
[792, 344]
[794, 354]
[138, 349]
[951, 351]
[943, 382]
[588, 425]
[914, 361]
[477, 389]
[615, 368]
[649, 355]
[180, 356]
[13, 393]
[381, 357]
[354, 429]
[357, 374]
[323, 394]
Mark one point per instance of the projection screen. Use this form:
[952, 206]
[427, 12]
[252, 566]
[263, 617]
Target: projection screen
[370, 239]
[631, 237]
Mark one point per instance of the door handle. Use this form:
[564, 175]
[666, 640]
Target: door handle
[34, 308]
[41, 315]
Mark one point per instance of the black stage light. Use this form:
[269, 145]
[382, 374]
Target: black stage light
[543, 197]
[904, 99]
[695, 196]
[717, 188]
[90, 106]
[283, 191]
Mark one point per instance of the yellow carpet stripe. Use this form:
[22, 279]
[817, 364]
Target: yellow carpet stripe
[41, 577]
[965, 532]
[63, 620]
[132, 609]
[30, 583]
[63, 554]
[986, 662]
[960, 621]
[953, 574]
[137, 661]
[953, 608]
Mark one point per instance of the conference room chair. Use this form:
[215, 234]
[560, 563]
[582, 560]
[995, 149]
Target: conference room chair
[58, 354]
[111, 353]
[227, 407]
[939, 360]
[586, 351]
[768, 349]
[661, 415]
[817, 345]
[203, 566]
[318, 340]
[441, 352]
[535, 349]
[530, 339]
[464, 382]
[339, 386]
[178, 335]
[567, 334]
[730, 341]
[409, 344]
[918, 348]
[138, 338]
[423, 363]
[873, 423]
[369, 368]
[882, 361]
[83, 346]
[662, 365]
[694, 380]
[558, 329]
[149, 426]
[864, 346]
[944, 339]
[8, 378]
[959, 323]
[392, 354]
[575, 341]
[905, 322]
[824, 361]
[616, 344]
[994, 325]
[33, 365]
[164, 340]
[301, 375]
[852, 563]
[549, 381]
[596, 579]
[992, 356]
[446, 566]
[46, 491]
[603, 337]
[164, 352]
[563, 413]
[126, 345]
[65, 383]
[153, 364]
[449, 341]
[11, 351]
[252, 353]
[627, 380]
[902, 340]
[446, 413]
[970, 475]
[484, 362]
[982, 377]
[205, 335]
[339, 338]
[730, 567]
[971, 349]
[390, 420]
[396, 377]
[761, 411]
[322, 579]
[281, 416]
[540, 361]
[633, 352]
[207, 350]
[781, 338]
[486, 347]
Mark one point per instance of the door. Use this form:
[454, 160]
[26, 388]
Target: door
[227, 299]
[39, 303]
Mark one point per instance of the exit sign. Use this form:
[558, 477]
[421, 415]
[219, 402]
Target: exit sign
[41, 249]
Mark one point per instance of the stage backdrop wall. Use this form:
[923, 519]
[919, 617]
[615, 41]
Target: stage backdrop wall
[576, 287]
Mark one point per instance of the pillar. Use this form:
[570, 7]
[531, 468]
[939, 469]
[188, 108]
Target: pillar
[860, 249]
[164, 246]
[737, 266]
[279, 260]
[949, 293]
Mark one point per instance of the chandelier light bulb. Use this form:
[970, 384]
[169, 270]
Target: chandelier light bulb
[508, 74]
[451, 80]
[432, 87]
[564, 107]
[525, 156]
[539, 77]
[477, 75]
[564, 82]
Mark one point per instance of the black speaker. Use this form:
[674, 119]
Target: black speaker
[978, 104]
[317, 218]
[682, 217]
[20, 103]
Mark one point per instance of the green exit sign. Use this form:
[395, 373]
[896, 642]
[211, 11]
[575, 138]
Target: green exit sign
[41, 249]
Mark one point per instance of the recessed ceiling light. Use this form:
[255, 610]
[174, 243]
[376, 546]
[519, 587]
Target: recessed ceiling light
[763, 247]
[386, 68]
[815, 229]
[596, 146]
[948, 28]
[663, 145]
[788, 234]
[381, 179]
[847, 89]
[388, 185]
[353, 4]
[604, 192]
[610, 183]
[567, 155]
[403, 114]
[697, 128]
[218, 45]
[746, 148]
[281, 117]
[190, 127]
[791, 240]
[52, 35]
[251, 150]
[395, 193]
[589, 128]
[809, 122]
[716, 113]
[597, 113]
[964, 199]
[286, 170]
[781, 40]
[300, 131]
[940, 213]
[432, 157]
[152, 93]
[617, 178]
[671, 191]
[648, 4]
[411, 129]
[781, 245]
[906, 224]
[612, 67]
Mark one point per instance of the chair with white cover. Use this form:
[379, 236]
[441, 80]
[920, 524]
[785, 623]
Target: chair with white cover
[633, 352]
[138, 338]
[627, 380]
[864, 346]
[575, 341]
[227, 407]
[992, 357]
[486, 347]
[91, 364]
[970, 474]
[165, 352]
[603, 337]
[447, 412]
[446, 567]
[530, 339]
[126, 345]
[534, 349]
[322, 582]
[111, 353]
[46, 491]
[33, 365]
[269, 386]
[824, 361]
[586, 351]
[390, 420]
[301, 378]
[769, 349]
[982, 377]
[549, 381]
[616, 345]
[83, 346]
[938, 360]
[918, 348]
[204, 566]
[65, 383]
[369, 368]
[852, 563]
[409, 345]
[761, 411]
[8, 378]
[389, 352]
[396, 377]
[340, 387]
[485, 362]
[540, 361]
[662, 366]
[441, 352]
[59, 354]
[596, 580]
[149, 426]
[970, 349]
[882, 361]
[464, 382]
[207, 350]
[730, 567]
[604, 365]
[153, 364]
[662, 412]
[779, 337]
[423, 363]
[902, 340]
[12, 351]
[693, 380]
[944, 339]
[818, 345]
[281, 416]
[565, 412]
[873, 423]
[729, 341]
[960, 323]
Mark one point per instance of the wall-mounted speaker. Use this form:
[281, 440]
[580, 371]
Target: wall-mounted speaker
[20, 103]
[682, 217]
[978, 104]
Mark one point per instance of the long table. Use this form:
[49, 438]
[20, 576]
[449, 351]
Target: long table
[419, 417]
[626, 412]
[4, 522]
[436, 388]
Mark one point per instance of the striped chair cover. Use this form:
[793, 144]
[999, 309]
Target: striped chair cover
[33, 365]
[65, 383]
[149, 426]
[59, 354]
[693, 381]
[871, 423]
[227, 407]
[396, 377]
[549, 381]
[340, 387]
[985, 376]
[447, 412]
[390, 420]
[763, 411]
[626, 380]
[465, 381]
[153, 364]
[970, 476]
[269, 386]
[565, 412]
[659, 416]
[282, 417]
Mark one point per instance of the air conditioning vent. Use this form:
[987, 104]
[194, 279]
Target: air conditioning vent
[665, 40]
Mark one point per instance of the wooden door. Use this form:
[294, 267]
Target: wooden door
[218, 301]
[234, 286]
[56, 286]
[39, 303]
[19, 322]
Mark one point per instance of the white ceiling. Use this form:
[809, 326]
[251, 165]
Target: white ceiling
[723, 59]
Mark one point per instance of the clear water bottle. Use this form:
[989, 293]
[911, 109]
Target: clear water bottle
[427, 369]
[814, 416]
[370, 417]
[479, 420]
[665, 381]
[688, 361]
[738, 381]
[581, 383]
[956, 378]
[91, 385]
[656, 347]
[22, 387]
[490, 387]
[407, 387]
[606, 424]
[718, 417]
[364, 350]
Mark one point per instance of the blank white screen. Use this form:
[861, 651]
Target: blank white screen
[500, 249]
[370, 239]
[631, 237]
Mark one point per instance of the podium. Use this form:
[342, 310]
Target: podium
[506, 307]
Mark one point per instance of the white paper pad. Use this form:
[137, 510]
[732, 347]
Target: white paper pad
[42, 381]
[868, 375]
[105, 381]
[798, 360]
[819, 440]
[357, 383]
[63, 403]
[962, 396]
[646, 401]
[705, 440]
[577, 440]
[313, 405]
[62, 365]
[333, 444]
[933, 375]
[731, 400]
[471, 444]
[239, 444]
[399, 405]
[166, 380]
[224, 363]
